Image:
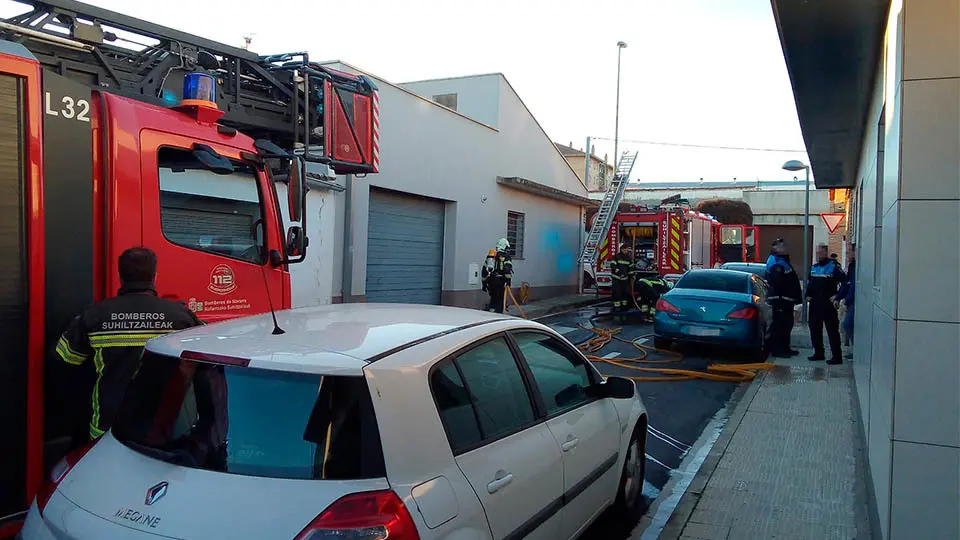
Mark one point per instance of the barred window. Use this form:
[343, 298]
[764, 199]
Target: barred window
[515, 234]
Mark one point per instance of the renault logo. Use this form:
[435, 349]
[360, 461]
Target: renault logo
[156, 493]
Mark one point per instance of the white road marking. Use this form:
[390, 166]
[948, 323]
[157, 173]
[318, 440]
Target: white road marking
[663, 436]
[650, 491]
[658, 462]
[641, 341]
[680, 478]
[563, 330]
[666, 440]
[610, 355]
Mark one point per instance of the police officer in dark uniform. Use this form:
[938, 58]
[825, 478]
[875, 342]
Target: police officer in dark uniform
[825, 277]
[497, 275]
[784, 294]
[620, 268]
[112, 333]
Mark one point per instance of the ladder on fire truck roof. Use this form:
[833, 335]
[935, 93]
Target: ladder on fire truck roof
[608, 208]
[274, 97]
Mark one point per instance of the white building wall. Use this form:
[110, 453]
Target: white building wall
[786, 208]
[311, 282]
[907, 329]
[554, 230]
[637, 193]
[477, 97]
[430, 151]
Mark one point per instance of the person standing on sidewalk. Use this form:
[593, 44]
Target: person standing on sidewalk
[846, 295]
[825, 276]
[784, 295]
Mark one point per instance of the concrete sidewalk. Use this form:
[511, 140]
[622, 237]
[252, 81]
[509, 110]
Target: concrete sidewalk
[556, 304]
[789, 464]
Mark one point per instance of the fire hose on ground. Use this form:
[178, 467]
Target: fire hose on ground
[734, 373]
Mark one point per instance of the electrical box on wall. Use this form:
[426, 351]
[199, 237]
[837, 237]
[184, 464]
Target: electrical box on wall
[474, 277]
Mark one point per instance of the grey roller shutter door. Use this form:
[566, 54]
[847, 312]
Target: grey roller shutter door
[404, 249]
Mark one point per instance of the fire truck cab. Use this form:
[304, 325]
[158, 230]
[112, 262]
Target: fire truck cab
[175, 144]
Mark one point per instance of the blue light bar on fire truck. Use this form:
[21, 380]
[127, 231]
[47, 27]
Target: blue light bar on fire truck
[199, 89]
[200, 98]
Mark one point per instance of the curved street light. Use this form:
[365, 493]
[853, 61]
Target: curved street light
[616, 125]
[794, 166]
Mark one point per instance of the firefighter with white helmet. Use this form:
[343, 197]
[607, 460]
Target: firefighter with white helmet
[497, 274]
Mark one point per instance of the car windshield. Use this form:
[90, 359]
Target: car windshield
[250, 421]
[733, 282]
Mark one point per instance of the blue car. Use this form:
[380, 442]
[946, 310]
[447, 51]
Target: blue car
[717, 307]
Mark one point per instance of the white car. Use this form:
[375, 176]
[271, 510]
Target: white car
[361, 422]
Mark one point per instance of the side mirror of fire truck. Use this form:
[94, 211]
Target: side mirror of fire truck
[296, 244]
[296, 205]
[296, 189]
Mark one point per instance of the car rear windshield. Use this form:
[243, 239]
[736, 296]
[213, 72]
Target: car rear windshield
[733, 282]
[252, 422]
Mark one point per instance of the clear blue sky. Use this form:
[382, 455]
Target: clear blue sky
[705, 72]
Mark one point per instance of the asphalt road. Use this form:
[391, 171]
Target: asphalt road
[678, 411]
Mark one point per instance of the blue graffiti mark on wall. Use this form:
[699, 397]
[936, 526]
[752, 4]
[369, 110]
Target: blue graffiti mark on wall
[558, 241]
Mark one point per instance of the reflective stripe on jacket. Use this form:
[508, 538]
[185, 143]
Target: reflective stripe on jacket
[620, 267]
[825, 278]
[784, 283]
[113, 333]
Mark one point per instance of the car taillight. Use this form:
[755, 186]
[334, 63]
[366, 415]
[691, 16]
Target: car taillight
[372, 515]
[59, 472]
[663, 305]
[748, 312]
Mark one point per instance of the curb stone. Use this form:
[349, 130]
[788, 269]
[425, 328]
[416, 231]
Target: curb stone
[688, 502]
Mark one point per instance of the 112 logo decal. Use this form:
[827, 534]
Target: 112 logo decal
[222, 280]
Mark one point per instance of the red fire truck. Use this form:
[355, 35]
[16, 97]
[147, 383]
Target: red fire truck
[670, 239]
[116, 132]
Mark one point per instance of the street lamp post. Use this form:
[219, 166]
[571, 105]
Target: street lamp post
[794, 165]
[616, 122]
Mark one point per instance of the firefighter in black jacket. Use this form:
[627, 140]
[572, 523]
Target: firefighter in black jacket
[620, 269]
[649, 287]
[825, 278]
[497, 275]
[784, 294]
[112, 333]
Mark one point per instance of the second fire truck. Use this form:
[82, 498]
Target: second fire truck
[670, 239]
